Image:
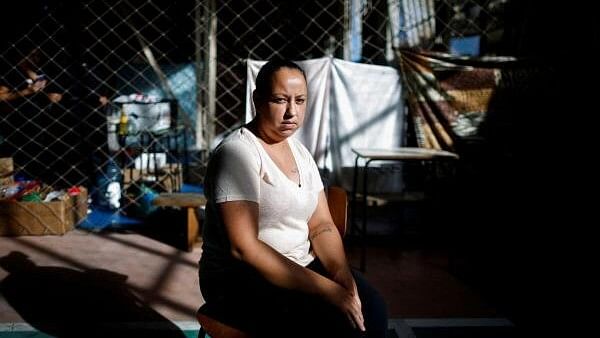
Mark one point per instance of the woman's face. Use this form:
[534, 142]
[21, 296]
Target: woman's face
[281, 113]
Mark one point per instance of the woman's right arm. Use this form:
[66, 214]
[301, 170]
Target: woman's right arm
[241, 223]
[8, 95]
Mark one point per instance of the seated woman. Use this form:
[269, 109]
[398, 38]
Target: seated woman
[273, 263]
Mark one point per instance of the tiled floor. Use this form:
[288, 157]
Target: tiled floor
[85, 277]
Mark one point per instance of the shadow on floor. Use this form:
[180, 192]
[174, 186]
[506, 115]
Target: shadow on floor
[166, 225]
[65, 302]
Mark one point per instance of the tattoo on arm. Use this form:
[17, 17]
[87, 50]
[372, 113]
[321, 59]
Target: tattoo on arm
[328, 229]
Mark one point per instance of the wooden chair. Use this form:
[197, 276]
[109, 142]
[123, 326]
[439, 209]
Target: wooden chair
[337, 199]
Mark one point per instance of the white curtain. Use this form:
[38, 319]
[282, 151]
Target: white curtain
[349, 105]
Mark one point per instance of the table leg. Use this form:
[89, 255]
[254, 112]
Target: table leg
[363, 256]
[354, 191]
[192, 228]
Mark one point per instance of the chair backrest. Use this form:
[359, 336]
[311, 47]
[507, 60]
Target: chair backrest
[337, 199]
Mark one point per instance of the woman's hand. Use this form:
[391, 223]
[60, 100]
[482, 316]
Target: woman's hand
[32, 88]
[345, 279]
[349, 304]
[54, 97]
[37, 86]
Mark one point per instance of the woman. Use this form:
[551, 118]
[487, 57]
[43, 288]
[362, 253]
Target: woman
[273, 263]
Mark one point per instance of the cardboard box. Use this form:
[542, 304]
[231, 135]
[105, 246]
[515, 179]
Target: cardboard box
[166, 179]
[42, 218]
[6, 170]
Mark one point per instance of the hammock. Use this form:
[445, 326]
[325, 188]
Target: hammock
[449, 97]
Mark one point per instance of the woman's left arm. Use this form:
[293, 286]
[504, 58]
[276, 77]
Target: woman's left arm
[328, 246]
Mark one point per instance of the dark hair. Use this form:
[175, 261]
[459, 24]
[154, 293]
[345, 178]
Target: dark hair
[263, 79]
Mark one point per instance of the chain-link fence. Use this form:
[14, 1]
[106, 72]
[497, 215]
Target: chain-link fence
[137, 91]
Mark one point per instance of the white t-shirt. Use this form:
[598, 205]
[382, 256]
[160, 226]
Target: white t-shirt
[241, 169]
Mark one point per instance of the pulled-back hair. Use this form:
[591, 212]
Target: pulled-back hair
[263, 79]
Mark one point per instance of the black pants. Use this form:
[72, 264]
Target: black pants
[245, 300]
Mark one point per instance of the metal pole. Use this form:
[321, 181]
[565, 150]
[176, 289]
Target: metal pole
[346, 38]
[198, 32]
[212, 72]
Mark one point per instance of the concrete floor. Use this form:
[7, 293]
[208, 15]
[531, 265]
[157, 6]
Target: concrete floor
[416, 283]
[84, 274]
